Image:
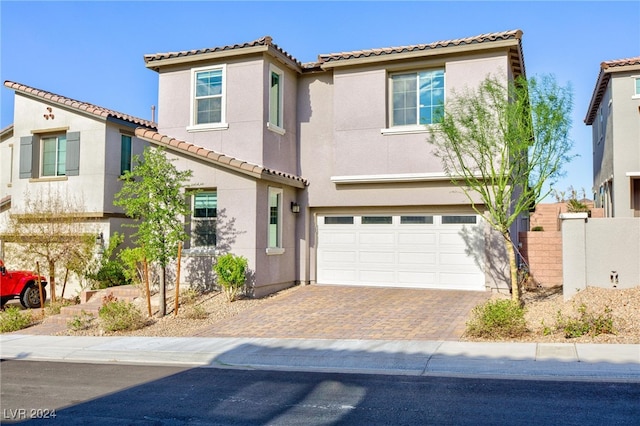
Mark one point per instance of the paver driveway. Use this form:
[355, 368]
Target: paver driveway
[342, 312]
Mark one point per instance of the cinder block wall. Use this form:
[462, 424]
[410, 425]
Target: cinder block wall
[543, 252]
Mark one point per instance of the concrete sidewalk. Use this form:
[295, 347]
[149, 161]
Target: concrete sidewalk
[408, 357]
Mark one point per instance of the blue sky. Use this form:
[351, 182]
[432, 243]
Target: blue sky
[93, 51]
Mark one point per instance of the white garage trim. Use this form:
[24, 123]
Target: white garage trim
[413, 250]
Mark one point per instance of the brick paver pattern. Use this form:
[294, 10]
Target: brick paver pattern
[344, 312]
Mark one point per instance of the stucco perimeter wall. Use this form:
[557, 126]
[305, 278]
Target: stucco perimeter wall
[600, 252]
[543, 253]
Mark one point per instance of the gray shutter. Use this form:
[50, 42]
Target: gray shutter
[26, 157]
[73, 154]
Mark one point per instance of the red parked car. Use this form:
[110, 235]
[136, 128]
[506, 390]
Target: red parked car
[21, 285]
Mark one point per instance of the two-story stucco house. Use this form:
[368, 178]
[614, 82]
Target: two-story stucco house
[61, 147]
[322, 172]
[614, 116]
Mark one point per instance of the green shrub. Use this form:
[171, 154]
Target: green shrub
[14, 319]
[497, 319]
[232, 274]
[585, 323]
[110, 274]
[82, 321]
[120, 315]
[537, 229]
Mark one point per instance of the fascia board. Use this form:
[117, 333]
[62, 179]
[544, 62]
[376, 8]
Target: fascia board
[189, 58]
[420, 53]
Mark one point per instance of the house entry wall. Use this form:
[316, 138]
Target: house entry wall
[417, 251]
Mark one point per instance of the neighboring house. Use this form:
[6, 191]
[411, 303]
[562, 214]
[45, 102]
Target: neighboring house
[614, 116]
[321, 172]
[66, 148]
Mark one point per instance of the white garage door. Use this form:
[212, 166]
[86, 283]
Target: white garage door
[421, 251]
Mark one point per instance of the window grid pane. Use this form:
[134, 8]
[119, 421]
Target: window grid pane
[208, 97]
[338, 220]
[377, 220]
[204, 219]
[54, 156]
[275, 219]
[417, 98]
[410, 220]
[455, 220]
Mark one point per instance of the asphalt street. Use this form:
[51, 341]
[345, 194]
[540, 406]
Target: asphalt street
[77, 393]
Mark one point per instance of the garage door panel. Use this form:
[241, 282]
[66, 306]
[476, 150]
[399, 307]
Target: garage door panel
[377, 277]
[451, 238]
[417, 238]
[373, 238]
[417, 258]
[338, 237]
[384, 257]
[423, 278]
[338, 276]
[337, 256]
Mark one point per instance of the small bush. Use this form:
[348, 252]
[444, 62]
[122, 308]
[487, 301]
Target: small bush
[82, 321]
[54, 308]
[120, 315]
[537, 229]
[497, 319]
[110, 274]
[232, 274]
[14, 319]
[192, 310]
[585, 323]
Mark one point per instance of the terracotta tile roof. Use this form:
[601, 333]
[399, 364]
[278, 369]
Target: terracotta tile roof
[98, 111]
[606, 68]
[222, 160]
[263, 41]
[483, 38]
[324, 59]
[6, 130]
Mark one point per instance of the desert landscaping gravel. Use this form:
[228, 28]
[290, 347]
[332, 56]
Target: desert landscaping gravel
[541, 311]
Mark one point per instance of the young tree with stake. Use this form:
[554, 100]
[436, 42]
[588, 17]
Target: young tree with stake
[506, 144]
[153, 194]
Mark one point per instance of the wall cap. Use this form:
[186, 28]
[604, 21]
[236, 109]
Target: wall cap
[566, 216]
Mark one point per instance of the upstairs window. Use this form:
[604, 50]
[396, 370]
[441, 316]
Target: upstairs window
[208, 97]
[49, 155]
[203, 222]
[125, 154]
[637, 86]
[54, 155]
[417, 98]
[275, 100]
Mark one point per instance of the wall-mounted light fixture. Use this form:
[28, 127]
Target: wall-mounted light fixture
[295, 207]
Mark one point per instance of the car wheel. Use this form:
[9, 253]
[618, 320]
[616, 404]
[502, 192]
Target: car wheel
[30, 297]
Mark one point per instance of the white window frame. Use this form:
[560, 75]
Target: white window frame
[223, 125]
[275, 248]
[57, 155]
[414, 127]
[277, 127]
[195, 220]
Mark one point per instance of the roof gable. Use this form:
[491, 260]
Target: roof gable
[79, 106]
